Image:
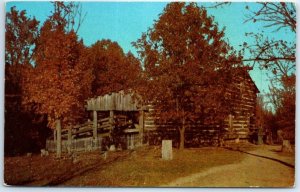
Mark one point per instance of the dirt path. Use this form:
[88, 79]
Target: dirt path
[252, 171]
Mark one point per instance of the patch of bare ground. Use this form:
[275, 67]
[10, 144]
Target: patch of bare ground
[236, 166]
[264, 166]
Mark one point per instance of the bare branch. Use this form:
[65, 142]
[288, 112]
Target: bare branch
[218, 5]
[278, 14]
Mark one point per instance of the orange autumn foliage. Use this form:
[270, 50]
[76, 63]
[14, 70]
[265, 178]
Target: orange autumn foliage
[113, 70]
[55, 83]
[188, 66]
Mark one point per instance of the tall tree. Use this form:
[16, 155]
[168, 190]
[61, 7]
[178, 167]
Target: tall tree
[113, 70]
[54, 82]
[21, 33]
[183, 55]
[283, 99]
[278, 57]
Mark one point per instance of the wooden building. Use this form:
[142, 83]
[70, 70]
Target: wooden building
[239, 124]
[122, 120]
[125, 118]
[115, 118]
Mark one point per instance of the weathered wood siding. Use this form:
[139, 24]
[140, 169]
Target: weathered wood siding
[239, 124]
[119, 101]
[243, 94]
[196, 132]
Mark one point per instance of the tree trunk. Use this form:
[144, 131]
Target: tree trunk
[269, 138]
[54, 135]
[181, 132]
[58, 139]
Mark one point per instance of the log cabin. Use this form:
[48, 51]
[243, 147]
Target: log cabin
[121, 119]
[238, 126]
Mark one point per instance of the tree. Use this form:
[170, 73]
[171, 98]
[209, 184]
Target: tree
[284, 99]
[278, 57]
[113, 70]
[183, 55]
[21, 34]
[54, 83]
[68, 14]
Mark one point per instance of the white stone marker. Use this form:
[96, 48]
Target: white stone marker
[166, 150]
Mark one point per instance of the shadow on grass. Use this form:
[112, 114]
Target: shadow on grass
[276, 150]
[261, 156]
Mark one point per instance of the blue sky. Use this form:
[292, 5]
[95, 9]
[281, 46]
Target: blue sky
[124, 23]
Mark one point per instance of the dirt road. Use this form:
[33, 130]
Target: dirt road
[252, 171]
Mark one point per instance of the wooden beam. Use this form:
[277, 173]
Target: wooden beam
[111, 118]
[141, 125]
[69, 139]
[95, 124]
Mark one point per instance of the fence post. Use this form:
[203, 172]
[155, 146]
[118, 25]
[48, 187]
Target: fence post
[111, 118]
[69, 140]
[141, 125]
[58, 143]
[95, 123]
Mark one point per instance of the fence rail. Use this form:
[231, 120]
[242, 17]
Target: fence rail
[128, 141]
[84, 144]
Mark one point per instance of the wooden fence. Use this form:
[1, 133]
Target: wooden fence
[83, 144]
[126, 141]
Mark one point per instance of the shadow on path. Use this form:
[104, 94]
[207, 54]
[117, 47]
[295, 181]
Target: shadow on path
[261, 156]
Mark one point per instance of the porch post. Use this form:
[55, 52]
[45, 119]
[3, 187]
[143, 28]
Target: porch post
[141, 125]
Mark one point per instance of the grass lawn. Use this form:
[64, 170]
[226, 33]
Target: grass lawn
[144, 167]
[141, 167]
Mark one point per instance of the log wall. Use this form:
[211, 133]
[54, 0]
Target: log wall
[239, 124]
[243, 94]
